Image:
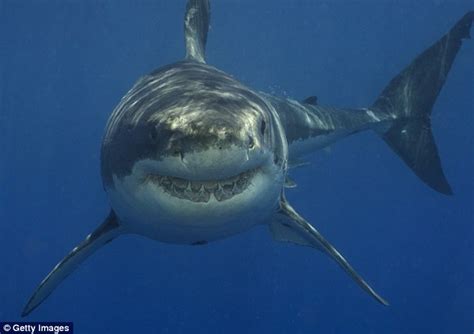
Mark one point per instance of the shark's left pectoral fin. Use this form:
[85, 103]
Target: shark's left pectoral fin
[107, 231]
[289, 226]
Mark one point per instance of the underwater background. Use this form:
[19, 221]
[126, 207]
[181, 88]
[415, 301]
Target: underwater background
[64, 65]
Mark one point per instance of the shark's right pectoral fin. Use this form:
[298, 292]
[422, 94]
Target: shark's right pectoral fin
[107, 231]
[289, 226]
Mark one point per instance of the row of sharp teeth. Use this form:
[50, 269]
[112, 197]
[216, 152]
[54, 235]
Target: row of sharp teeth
[201, 191]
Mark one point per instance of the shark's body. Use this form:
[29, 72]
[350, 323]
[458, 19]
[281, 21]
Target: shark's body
[190, 155]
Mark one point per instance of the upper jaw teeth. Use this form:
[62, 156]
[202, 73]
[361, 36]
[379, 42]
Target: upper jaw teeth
[201, 191]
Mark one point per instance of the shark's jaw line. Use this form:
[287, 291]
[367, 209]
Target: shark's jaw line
[185, 210]
[203, 190]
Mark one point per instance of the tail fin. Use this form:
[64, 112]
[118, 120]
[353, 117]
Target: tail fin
[409, 99]
[103, 234]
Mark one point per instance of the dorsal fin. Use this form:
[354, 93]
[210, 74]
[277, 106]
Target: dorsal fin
[312, 100]
[196, 26]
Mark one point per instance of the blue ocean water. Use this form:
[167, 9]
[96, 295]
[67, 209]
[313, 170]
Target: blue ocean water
[64, 65]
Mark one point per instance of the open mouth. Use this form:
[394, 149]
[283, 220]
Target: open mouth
[201, 191]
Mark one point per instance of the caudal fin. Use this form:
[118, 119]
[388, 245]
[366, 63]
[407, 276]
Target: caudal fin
[103, 234]
[409, 99]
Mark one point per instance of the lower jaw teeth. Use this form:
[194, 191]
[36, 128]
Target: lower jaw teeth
[201, 191]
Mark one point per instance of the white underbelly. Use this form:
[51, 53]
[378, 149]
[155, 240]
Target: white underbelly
[146, 209]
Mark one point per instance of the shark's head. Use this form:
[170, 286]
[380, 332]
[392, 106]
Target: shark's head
[190, 146]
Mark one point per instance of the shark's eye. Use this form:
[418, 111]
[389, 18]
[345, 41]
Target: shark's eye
[263, 126]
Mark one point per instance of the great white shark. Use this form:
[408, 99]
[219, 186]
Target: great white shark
[191, 155]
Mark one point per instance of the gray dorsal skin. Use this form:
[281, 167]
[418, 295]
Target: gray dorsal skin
[188, 137]
[105, 233]
[401, 115]
[196, 26]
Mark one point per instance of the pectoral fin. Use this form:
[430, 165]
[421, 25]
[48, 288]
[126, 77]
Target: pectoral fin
[289, 226]
[282, 229]
[103, 234]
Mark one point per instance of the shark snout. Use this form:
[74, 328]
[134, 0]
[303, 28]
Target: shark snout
[217, 152]
[209, 144]
[215, 162]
